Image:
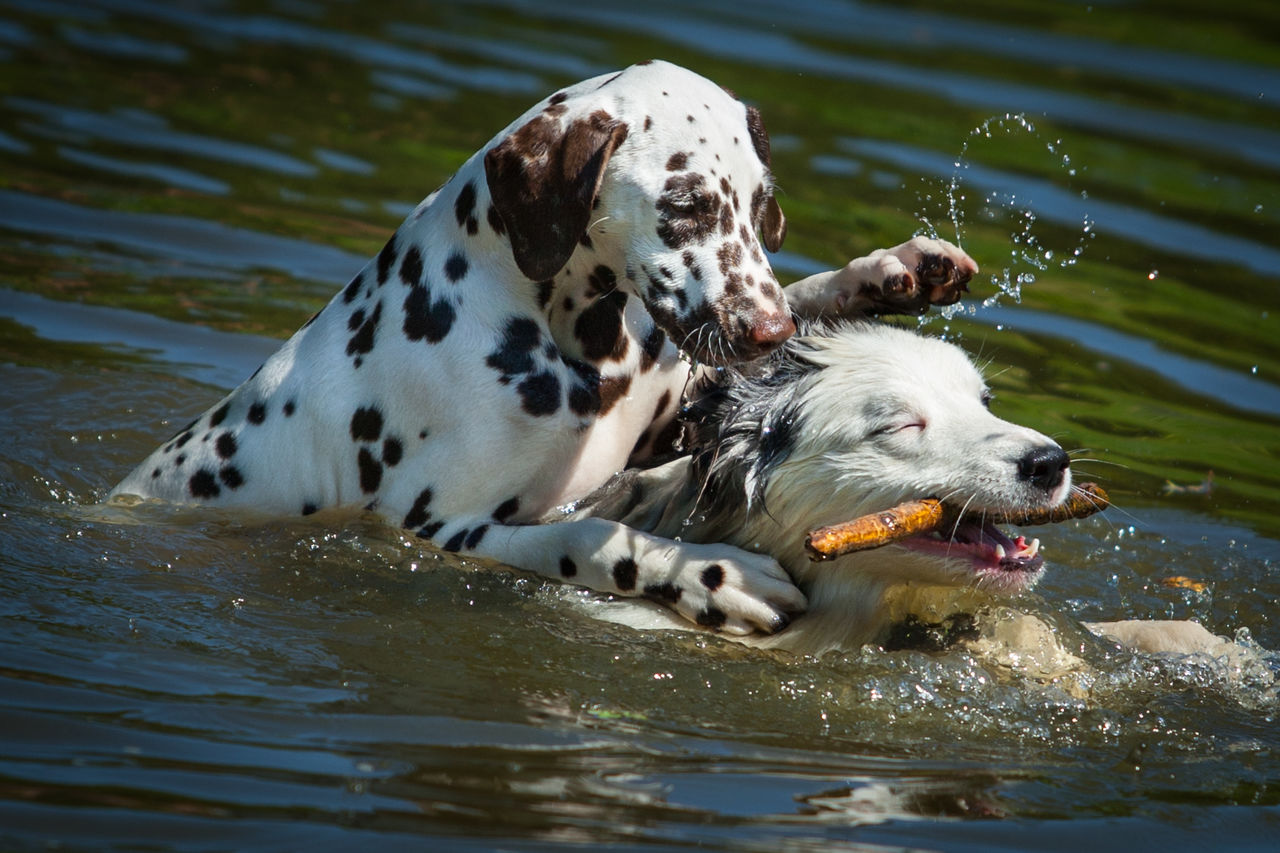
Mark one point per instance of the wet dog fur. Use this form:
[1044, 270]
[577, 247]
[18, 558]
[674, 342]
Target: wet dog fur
[853, 418]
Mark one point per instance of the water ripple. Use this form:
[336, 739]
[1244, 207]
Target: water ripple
[171, 175]
[774, 50]
[177, 238]
[144, 130]
[1064, 207]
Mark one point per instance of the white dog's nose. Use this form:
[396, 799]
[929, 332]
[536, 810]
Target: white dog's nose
[1044, 467]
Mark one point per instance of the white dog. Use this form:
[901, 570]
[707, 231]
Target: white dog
[850, 420]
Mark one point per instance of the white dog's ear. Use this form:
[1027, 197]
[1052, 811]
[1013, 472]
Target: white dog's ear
[544, 180]
[774, 228]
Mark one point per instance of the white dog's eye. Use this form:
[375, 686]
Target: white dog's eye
[893, 429]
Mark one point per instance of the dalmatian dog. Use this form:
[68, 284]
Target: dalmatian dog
[852, 418]
[529, 330]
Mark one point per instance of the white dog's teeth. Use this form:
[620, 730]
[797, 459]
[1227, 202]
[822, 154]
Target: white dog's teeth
[1034, 549]
[999, 552]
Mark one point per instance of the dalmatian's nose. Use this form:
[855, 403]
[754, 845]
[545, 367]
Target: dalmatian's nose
[1044, 467]
[770, 330]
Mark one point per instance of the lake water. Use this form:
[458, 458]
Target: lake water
[185, 183]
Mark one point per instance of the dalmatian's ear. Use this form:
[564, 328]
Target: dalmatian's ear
[544, 179]
[774, 228]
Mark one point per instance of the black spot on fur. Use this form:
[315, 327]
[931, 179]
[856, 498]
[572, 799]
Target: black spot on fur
[289, 408]
[257, 413]
[430, 530]
[204, 484]
[456, 540]
[495, 221]
[545, 289]
[231, 477]
[455, 269]
[474, 538]
[356, 318]
[514, 356]
[352, 290]
[219, 415]
[366, 424]
[155, 473]
[584, 394]
[424, 318]
[712, 617]
[665, 592]
[624, 574]
[370, 471]
[392, 452]
[310, 509]
[362, 340]
[713, 577]
[226, 445]
[568, 568]
[688, 212]
[187, 436]
[540, 394]
[418, 513]
[678, 162]
[601, 280]
[385, 259]
[600, 328]
[651, 348]
[411, 267]
[506, 509]
[464, 207]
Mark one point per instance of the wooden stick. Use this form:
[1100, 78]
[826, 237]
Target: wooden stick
[875, 530]
[924, 516]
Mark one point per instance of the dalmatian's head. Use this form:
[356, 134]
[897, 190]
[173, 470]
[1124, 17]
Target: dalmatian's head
[663, 176]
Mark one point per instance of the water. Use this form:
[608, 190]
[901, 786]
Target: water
[184, 184]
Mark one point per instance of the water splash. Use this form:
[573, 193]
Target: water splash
[1028, 254]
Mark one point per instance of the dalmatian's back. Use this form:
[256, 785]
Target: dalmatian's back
[443, 367]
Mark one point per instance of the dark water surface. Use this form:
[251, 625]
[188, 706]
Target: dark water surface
[185, 183]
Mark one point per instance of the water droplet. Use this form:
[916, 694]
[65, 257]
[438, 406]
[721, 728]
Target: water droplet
[1153, 275]
[1254, 370]
[1257, 208]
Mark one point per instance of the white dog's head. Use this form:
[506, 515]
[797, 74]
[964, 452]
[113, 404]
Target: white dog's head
[858, 419]
[664, 177]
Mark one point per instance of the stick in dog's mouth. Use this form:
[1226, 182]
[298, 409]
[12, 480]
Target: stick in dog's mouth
[916, 518]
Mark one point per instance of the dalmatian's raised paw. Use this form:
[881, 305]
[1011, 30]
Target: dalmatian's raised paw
[727, 589]
[906, 279]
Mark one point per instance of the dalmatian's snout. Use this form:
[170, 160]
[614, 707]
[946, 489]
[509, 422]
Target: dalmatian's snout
[766, 330]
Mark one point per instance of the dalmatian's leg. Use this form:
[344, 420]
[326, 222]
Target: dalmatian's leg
[906, 279]
[716, 586]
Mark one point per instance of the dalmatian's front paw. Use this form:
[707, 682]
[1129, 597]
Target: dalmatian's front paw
[727, 589]
[906, 279]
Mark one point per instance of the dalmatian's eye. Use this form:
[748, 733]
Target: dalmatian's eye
[685, 203]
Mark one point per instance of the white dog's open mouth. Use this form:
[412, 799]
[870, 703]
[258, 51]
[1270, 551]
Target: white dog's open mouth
[987, 547]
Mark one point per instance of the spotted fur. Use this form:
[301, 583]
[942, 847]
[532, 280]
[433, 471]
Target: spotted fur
[517, 339]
